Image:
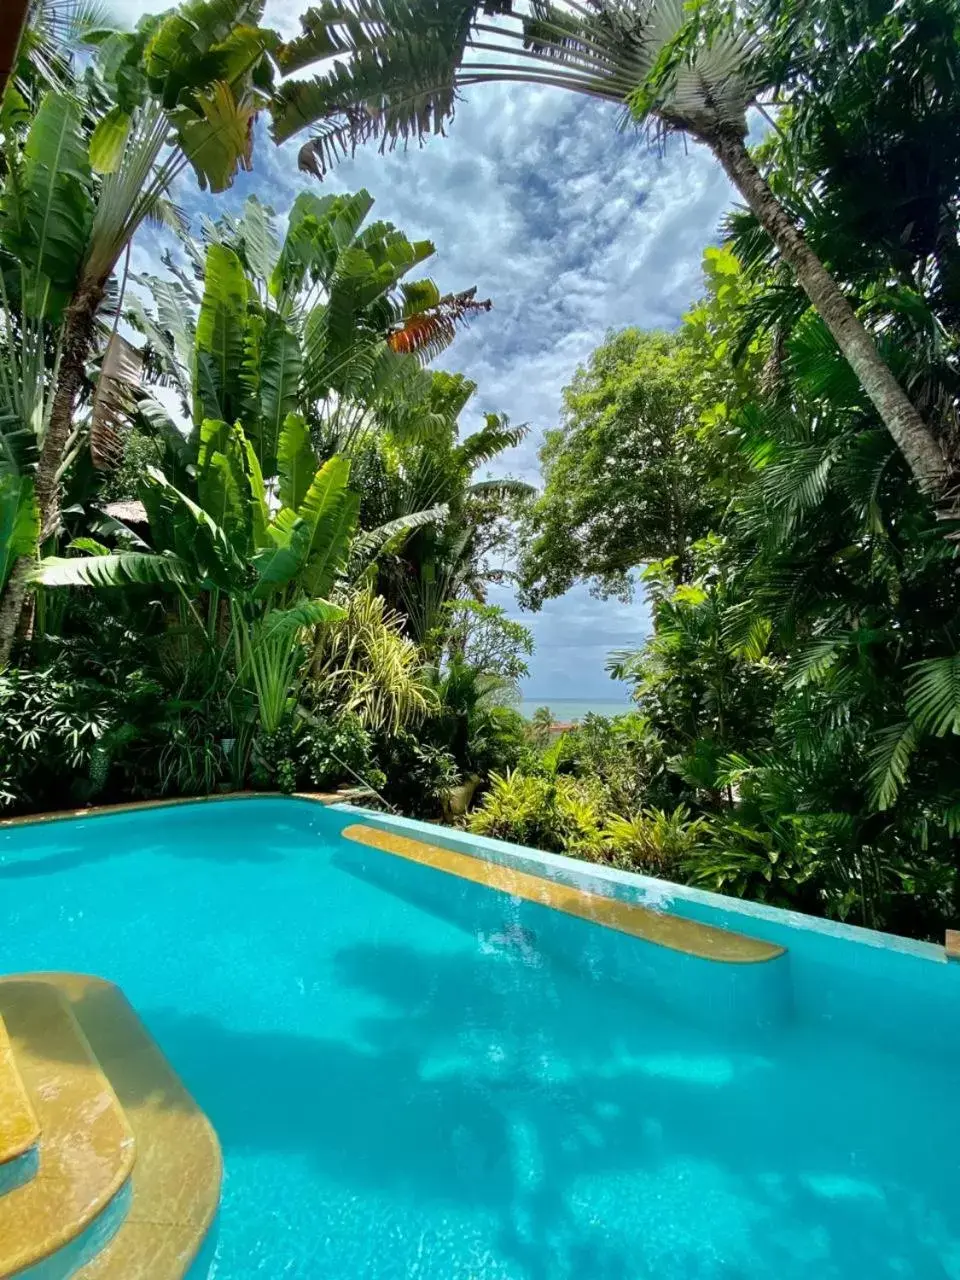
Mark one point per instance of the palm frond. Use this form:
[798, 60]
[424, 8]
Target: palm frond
[428, 333]
[933, 694]
[889, 761]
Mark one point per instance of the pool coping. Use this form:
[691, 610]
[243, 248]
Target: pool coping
[134, 806]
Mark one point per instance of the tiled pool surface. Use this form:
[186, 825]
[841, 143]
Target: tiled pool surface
[415, 1074]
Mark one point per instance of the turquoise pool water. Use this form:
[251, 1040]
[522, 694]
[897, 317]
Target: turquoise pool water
[415, 1077]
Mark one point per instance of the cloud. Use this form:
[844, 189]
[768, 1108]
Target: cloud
[572, 228]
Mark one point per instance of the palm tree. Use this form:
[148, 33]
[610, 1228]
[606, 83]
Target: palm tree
[449, 558]
[395, 70]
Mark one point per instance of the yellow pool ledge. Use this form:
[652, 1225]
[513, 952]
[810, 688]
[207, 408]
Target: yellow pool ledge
[707, 942]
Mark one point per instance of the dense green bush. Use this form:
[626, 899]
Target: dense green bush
[565, 814]
[315, 755]
[418, 775]
[622, 754]
[656, 842]
[562, 814]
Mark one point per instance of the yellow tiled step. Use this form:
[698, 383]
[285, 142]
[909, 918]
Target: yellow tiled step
[678, 934]
[176, 1180]
[86, 1151]
[19, 1126]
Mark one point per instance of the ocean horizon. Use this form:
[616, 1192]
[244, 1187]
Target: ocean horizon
[566, 709]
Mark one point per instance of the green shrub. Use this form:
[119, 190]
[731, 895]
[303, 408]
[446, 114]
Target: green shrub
[417, 774]
[559, 814]
[69, 738]
[335, 749]
[498, 739]
[655, 841]
[315, 754]
[625, 756]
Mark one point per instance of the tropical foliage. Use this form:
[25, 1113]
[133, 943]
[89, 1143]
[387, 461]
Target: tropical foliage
[798, 691]
[88, 161]
[394, 73]
[246, 537]
[237, 630]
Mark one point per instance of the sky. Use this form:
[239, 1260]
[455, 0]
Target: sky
[572, 229]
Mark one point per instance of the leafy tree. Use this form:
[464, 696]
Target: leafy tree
[312, 325]
[802, 684]
[626, 477]
[483, 636]
[395, 72]
[273, 570]
[244, 518]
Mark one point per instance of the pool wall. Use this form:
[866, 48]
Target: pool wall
[894, 991]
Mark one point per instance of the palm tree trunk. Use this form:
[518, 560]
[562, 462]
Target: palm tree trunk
[11, 606]
[77, 340]
[911, 434]
[12, 23]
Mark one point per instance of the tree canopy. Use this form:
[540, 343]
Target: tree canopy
[625, 480]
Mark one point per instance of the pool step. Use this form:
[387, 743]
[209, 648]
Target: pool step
[128, 1179]
[179, 1169]
[19, 1126]
[58, 1217]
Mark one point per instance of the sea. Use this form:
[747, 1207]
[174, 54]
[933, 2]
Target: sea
[566, 709]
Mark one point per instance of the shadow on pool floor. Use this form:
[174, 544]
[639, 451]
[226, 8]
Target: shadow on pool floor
[587, 1112]
[71, 857]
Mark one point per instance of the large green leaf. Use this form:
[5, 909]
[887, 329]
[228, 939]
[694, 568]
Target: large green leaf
[307, 613]
[219, 385]
[256, 489]
[19, 521]
[296, 461]
[325, 490]
[222, 482]
[388, 538]
[280, 366]
[47, 211]
[117, 570]
[319, 227]
[109, 139]
[217, 138]
[284, 556]
[184, 530]
[180, 455]
[331, 543]
[196, 44]
[260, 246]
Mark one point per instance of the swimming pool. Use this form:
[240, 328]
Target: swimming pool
[413, 1075]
